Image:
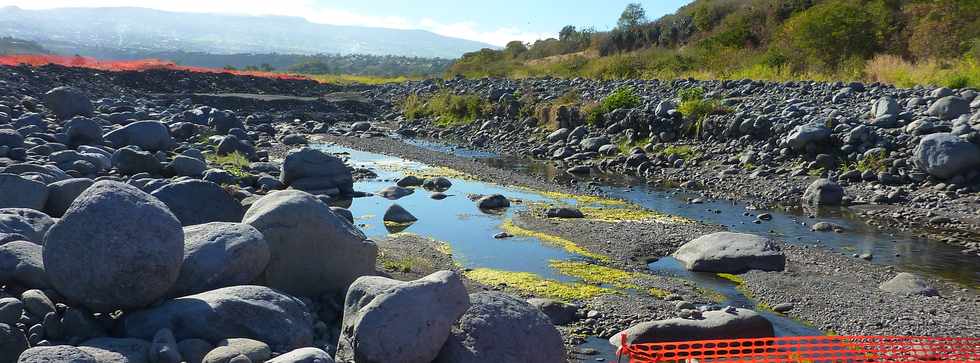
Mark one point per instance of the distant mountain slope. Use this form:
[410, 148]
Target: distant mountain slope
[17, 46]
[77, 30]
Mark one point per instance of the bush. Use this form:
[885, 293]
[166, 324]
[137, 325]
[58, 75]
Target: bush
[449, 109]
[832, 32]
[621, 98]
[696, 108]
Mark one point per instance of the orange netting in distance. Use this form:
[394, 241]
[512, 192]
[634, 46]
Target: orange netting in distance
[37, 60]
[808, 349]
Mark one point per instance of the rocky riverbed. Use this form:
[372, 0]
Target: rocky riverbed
[158, 217]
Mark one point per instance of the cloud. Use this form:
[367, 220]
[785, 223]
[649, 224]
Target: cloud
[308, 9]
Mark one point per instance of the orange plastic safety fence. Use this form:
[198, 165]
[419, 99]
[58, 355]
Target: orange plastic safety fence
[808, 349]
[37, 60]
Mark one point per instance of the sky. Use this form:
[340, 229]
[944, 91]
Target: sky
[491, 21]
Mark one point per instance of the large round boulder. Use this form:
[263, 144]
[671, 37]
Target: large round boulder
[945, 155]
[11, 138]
[30, 223]
[823, 192]
[908, 284]
[219, 255]
[314, 171]
[12, 343]
[129, 161]
[115, 248]
[314, 251]
[717, 324]
[388, 320]
[809, 134]
[730, 252]
[949, 107]
[147, 135]
[501, 328]
[62, 193]
[197, 201]
[66, 102]
[21, 263]
[55, 353]
[83, 131]
[255, 312]
[303, 355]
[20, 192]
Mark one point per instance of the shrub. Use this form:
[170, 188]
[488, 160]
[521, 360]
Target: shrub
[832, 32]
[696, 108]
[449, 109]
[621, 98]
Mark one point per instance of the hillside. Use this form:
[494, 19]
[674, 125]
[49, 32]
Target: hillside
[108, 30]
[905, 42]
[16, 46]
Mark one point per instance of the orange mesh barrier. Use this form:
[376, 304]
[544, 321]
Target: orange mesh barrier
[808, 349]
[37, 60]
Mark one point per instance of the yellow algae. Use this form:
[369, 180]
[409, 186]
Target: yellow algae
[509, 227]
[581, 199]
[444, 248]
[434, 171]
[536, 285]
[658, 293]
[596, 274]
[631, 214]
[733, 278]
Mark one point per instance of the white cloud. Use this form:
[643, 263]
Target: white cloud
[307, 9]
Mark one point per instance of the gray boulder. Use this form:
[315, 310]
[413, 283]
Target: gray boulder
[395, 192]
[949, 108]
[823, 192]
[804, 135]
[409, 181]
[388, 320]
[187, 166]
[147, 135]
[945, 155]
[46, 174]
[56, 353]
[11, 138]
[314, 251]
[493, 201]
[438, 184]
[117, 350]
[229, 349]
[558, 135]
[731, 253]
[254, 312]
[397, 214]
[116, 248]
[21, 263]
[66, 102]
[717, 324]
[886, 105]
[11, 310]
[908, 284]
[218, 255]
[232, 144]
[593, 143]
[19, 192]
[314, 171]
[198, 201]
[83, 131]
[12, 343]
[360, 126]
[129, 161]
[303, 355]
[29, 223]
[501, 328]
[62, 193]
[559, 312]
[193, 350]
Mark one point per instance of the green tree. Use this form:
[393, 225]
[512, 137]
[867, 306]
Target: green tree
[567, 33]
[832, 32]
[633, 16]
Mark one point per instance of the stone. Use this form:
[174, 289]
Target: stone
[945, 155]
[823, 192]
[116, 248]
[501, 328]
[21, 263]
[11, 138]
[83, 131]
[194, 350]
[563, 212]
[54, 354]
[20, 192]
[313, 250]
[886, 105]
[163, 348]
[228, 349]
[117, 350]
[438, 183]
[593, 143]
[303, 355]
[949, 108]
[44, 173]
[395, 192]
[360, 126]
[220, 254]
[397, 214]
[908, 284]
[11, 310]
[198, 201]
[255, 312]
[409, 181]
[559, 312]
[294, 139]
[62, 193]
[493, 201]
[717, 324]
[729, 252]
[12, 343]
[187, 166]
[808, 134]
[386, 320]
[312, 170]
[232, 144]
[147, 135]
[29, 223]
[67, 101]
[129, 161]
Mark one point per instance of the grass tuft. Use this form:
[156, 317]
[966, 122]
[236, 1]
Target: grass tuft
[536, 285]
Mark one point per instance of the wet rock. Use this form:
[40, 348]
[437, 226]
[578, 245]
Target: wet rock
[314, 171]
[438, 196]
[254, 312]
[945, 155]
[218, 255]
[501, 328]
[494, 201]
[198, 201]
[409, 181]
[731, 253]
[314, 251]
[823, 192]
[827, 227]
[387, 320]
[398, 214]
[303, 355]
[116, 248]
[718, 324]
[563, 212]
[395, 192]
[19, 192]
[559, 312]
[783, 307]
[438, 184]
[908, 284]
[67, 101]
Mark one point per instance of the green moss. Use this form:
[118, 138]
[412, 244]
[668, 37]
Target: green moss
[235, 163]
[536, 285]
[658, 293]
[631, 213]
[595, 274]
[625, 146]
[685, 152]
[738, 280]
[509, 227]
